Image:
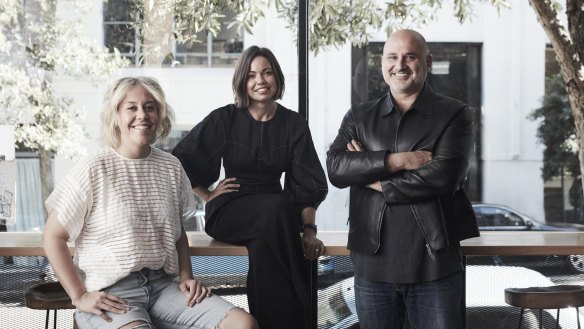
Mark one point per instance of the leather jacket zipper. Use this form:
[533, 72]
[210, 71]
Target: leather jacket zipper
[430, 251]
[379, 222]
[428, 248]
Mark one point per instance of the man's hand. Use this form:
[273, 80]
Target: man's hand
[395, 162]
[98, 302]
[413, 160]
[355, 146]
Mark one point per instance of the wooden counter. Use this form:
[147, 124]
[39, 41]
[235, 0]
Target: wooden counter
[489, 243]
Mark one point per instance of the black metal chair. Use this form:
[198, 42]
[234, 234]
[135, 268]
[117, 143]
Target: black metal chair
[48, 296]
[541, 298]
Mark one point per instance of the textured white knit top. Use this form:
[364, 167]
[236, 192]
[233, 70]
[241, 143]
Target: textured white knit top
[124, 214]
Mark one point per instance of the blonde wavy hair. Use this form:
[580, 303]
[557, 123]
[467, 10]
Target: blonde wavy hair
[116, 94]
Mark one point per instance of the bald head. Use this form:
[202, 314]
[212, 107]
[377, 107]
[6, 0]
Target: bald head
[411, 35]
[405, 63]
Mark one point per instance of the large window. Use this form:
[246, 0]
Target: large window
[562, 193]
[118, 30]
[207, 51]
[456, 72]
[219, 51]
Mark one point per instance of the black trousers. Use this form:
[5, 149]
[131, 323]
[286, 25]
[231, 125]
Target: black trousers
[277, 282]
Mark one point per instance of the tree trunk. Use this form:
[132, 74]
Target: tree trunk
[568, 46]
[158, 38]
[46, 168]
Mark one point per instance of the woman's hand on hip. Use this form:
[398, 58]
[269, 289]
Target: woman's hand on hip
[226, 185]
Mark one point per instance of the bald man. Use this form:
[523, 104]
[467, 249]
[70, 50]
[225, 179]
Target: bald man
[405, 157]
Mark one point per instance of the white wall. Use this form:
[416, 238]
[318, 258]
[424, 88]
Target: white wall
[514, 76]
[512, 86]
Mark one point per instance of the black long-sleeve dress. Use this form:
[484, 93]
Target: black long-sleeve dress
[262, 216]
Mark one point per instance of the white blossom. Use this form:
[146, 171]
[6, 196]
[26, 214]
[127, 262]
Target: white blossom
[572, 144]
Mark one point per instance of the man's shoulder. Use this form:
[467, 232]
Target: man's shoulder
[446, 103]
[367, 107]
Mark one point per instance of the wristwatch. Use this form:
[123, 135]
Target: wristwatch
[310, 226]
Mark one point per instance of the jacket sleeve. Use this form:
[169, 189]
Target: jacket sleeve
[347, 168]
[444, 174]
[200, 151]
[305, 178]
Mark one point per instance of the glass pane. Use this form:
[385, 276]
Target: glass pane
[225, 48]
[198, 46]
[225, 60]
[117, 10]
[515, 220]
[193, 53]
[227, 41]
[192, 59]
[120, 36]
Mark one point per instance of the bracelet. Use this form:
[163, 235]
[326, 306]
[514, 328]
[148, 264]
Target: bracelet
[310, 226]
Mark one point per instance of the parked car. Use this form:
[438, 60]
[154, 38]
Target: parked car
[485, 301]
[494, 217]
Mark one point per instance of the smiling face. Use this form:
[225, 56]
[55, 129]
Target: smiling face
[405, 63]
[137, 119]
[261, 81]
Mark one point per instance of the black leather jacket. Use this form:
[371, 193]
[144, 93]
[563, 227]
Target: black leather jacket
[434, 191]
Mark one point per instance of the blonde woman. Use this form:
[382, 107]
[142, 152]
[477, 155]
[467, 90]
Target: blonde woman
[123, 206]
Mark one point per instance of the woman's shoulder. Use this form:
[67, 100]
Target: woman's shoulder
[223, 111]
[90, 163]
[97, 157]
[156, 152]
[218, 117]
[159, 155]
[292, 116]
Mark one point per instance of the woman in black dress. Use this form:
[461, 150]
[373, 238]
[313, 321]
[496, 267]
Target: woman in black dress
[258, 139]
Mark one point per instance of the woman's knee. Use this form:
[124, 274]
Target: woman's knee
[137, 325]
[238, 319]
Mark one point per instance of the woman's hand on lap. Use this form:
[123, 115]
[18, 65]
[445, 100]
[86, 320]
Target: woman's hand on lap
[98, 302]
[194, 290]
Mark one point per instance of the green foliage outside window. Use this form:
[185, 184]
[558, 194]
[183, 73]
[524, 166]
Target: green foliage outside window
[556, 131]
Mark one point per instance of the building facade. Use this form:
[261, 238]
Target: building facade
[499, 60]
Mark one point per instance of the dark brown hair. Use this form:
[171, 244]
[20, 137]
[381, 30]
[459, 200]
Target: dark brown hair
[242, 68]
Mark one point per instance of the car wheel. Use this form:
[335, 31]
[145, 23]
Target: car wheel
[498, 260]
[576, 263]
